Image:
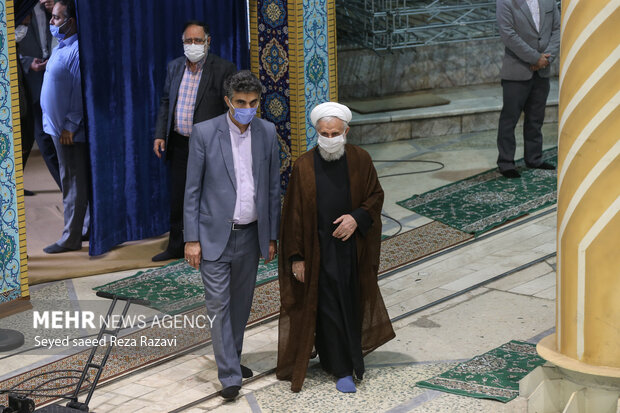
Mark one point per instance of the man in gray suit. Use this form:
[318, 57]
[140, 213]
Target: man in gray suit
[232, 216]
[193, 92]
[530, 30]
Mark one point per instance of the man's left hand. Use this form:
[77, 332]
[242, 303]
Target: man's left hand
[193, 254]
[347, 227]
[66, 137]
[273, 247]
[542, 63]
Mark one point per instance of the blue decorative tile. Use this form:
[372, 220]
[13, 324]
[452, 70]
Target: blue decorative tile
[316, 57]
[273, 13]
[274, 75]
[10, 287]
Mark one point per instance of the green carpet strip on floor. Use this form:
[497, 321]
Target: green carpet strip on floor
[175, 287]
[492, 375]
[487, 200]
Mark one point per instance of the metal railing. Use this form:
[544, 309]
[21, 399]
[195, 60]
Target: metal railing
[398, 24]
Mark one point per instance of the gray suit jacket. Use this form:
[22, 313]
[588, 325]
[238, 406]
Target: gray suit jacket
[28, 49]
[524, 44]
[210, 189]
[209, 97]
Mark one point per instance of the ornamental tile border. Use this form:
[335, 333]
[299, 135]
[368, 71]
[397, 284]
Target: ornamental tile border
[316, 59]
[10, 164]
[273, 72]
[293, 54]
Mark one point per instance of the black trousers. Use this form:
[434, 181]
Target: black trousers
[177, 149]
[46, 144]
[27, 126]
[529, 97]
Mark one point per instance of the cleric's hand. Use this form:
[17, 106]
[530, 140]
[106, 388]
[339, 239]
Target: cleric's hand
[299, 271]
[347, 227]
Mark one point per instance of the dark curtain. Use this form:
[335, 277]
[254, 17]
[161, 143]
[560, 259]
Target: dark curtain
[22, 9]
[124, 49]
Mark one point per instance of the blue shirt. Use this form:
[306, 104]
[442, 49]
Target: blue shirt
[61, 93]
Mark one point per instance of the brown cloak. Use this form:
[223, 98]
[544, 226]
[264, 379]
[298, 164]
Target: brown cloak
[299, 236]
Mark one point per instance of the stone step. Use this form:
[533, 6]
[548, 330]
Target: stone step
[471, 109]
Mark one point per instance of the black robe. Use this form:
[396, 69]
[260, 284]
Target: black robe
[338, 326]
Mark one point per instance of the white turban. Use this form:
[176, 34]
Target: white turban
[330, 109]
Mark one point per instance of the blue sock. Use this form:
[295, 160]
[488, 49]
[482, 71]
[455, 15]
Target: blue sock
[346, 385]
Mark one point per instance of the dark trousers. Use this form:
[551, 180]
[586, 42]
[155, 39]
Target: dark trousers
[27, 126]
[46, 144]
[529, 97]
[178, 146]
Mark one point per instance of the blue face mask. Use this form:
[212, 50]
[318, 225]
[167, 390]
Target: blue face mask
[55, 30]
[244, 116]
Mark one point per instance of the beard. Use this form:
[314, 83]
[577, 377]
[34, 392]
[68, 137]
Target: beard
[330, 157]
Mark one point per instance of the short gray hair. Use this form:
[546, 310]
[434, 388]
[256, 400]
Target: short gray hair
[328, 118]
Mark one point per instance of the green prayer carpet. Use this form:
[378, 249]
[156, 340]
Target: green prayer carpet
[492, 375]
[487, 200]
[175, 287]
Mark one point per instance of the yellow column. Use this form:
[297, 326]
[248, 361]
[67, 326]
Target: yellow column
[587, 338]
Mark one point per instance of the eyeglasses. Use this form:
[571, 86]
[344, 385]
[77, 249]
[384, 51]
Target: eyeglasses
[194, 41]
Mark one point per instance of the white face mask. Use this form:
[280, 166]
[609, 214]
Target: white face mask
[20, 32]
[331, 145]
[195, 52]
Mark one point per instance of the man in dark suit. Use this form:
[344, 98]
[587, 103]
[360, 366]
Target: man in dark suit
[26, 118]
[530, 30]
[232, 216]
[193, 93]
[34, 49]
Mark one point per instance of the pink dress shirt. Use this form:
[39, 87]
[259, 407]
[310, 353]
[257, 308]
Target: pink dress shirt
[186, 99]
[245, 205]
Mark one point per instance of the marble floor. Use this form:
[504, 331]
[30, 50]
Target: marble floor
[519, 306]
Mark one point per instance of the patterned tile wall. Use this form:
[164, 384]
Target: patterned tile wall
[12, 228]
[316, 61]
[293, 53]
[272, 53]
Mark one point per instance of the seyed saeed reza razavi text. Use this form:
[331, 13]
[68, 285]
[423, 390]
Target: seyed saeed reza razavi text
[133, 341]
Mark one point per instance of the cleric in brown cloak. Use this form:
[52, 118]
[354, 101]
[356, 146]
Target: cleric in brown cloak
[329, 257]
